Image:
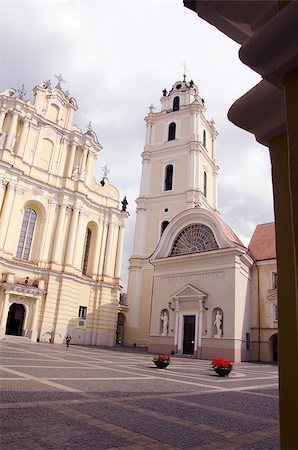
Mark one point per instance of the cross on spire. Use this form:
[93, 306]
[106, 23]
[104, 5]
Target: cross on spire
[184, 70]
[60, 80]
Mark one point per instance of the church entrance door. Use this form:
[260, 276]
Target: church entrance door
[189, 335]
[15, 319]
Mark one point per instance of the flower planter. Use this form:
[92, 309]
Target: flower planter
[222, 371]
[161, 364]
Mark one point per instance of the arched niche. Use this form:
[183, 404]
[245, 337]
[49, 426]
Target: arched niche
[217, 322]
[53, 113]
[164, 322]
[45, 154]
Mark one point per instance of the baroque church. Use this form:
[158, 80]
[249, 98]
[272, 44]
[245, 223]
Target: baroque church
[61, 232]
[194, 289]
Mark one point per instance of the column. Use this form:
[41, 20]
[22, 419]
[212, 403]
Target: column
[108, 270]
[103, 245]
[5, 309]
[214, 174]
[83, 165]
[89, 168]
[145, 179]
[119, 251]
[191, 169]
[193, 130]
[148, 133]
[97, 250]
[47, 231]
[22, 139]
[6, 210]
[58, 234]
[2, 117]
[71, 159]
[284, 199]
[3, 184]
[12, 129]
[80, 241]
[72, 236]
[34, 321]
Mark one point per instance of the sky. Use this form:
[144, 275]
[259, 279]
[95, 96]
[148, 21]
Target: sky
[116, 57]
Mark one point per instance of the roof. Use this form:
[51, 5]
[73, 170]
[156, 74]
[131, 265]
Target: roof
[262, 244]
[229, 232]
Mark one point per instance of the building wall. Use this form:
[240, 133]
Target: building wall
[264, 301]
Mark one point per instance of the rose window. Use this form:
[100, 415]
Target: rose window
[194, 239]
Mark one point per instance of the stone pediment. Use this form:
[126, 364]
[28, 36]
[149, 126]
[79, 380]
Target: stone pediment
[189, 291]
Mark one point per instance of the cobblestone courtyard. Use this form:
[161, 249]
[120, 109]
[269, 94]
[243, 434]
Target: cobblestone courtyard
[95, 398]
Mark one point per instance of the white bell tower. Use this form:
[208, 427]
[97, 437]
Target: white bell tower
[179, 172]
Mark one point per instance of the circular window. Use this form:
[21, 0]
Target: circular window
[166, 210]
[178, 86]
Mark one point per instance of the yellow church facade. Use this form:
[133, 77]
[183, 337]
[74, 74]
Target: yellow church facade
[61, 233]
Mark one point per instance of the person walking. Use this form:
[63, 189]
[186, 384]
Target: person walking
[68, 339]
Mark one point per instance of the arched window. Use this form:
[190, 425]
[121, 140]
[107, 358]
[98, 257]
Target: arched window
[164, 225]
[194, 238]
[172, 131]
[86, 253]
[205, 184]
[26, 235]
[204, 138]
[168, 178]
[176, 104]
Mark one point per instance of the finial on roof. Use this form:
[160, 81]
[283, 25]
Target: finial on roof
[60, 80]
[106, 171]
[151, 108]
[67, 94]
[164, 92]
[89, 127]
[48, 83]
[21, 92]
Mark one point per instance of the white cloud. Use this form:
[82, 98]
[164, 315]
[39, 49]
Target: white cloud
[116, 57]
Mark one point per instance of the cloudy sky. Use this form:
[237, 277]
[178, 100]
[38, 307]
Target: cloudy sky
[116, 57]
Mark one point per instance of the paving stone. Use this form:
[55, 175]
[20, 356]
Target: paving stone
[124, 402]
[238, 401]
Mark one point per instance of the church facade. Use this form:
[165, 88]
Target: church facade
[61, 232]
[190, 277]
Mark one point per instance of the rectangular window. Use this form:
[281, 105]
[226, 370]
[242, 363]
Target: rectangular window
[274, 280]
[82, 312]
[275, 313]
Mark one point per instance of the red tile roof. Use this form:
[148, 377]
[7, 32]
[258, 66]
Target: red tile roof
[229, 232]
[262, 243]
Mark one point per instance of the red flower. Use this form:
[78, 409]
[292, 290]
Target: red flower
[221, 362]
[161, 358]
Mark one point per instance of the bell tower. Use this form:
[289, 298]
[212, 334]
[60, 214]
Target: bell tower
[179, 172]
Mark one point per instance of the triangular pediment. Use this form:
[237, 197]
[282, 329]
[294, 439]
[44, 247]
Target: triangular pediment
[189, 291]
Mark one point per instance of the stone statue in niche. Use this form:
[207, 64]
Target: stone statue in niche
[2, 139]
[75, 172]
[165, 323]
[218, 323]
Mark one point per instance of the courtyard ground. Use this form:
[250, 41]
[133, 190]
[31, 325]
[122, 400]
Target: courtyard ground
[97, 398]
